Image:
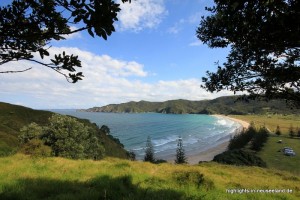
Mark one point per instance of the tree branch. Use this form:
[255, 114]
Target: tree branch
[17, 71]
[53, 68]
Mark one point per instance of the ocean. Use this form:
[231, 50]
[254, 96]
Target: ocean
[198, 132]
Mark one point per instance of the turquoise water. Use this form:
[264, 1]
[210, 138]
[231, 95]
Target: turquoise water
[198, 132]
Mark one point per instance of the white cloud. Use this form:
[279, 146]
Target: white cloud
[141, 14]
[107, 80]
[197, 42]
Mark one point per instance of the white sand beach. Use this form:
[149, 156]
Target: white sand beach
[209, 154]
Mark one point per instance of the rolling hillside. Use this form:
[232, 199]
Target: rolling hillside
[22, 177]
[222, 105]
[14, 117]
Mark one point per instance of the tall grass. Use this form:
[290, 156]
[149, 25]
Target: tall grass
[22, 177]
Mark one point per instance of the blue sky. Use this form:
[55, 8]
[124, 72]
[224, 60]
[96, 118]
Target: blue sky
[154, 55]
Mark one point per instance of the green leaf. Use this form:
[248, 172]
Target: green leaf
[41, 53]
[91, 32]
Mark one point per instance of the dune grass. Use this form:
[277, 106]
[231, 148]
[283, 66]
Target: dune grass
[23, 177]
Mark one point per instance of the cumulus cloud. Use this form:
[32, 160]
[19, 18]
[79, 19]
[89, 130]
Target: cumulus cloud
[107, 80]
[141, 14]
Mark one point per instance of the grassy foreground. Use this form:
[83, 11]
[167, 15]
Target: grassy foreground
[23, 177]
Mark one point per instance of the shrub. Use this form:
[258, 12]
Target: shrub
[189, 177]
[239, 157]
[66, 136]
[159, 161]
[240, 140]
[131, 155]
[29, 132]
[278, 132]
[291, 131]
[105, 129]
[36, 148]
[259, 139]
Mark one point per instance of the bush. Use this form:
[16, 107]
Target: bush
[29, 132]
[278, 132]
[159, 161]
[189, 177]
[66, 136]
[240, 140]
[132, 155]
[36, 148]
[291, 131]
[259, 139]
[105, 129]
[239, 157]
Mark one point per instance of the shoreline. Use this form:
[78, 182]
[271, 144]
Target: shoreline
[210, 153]
[244, 124]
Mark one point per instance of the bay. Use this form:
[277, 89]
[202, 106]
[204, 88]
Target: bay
[198, 132]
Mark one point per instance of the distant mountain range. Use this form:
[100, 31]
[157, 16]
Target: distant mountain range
[222, 105]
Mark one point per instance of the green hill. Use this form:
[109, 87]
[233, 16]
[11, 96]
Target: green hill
[23, 177]
[14, 117]
[222, 105]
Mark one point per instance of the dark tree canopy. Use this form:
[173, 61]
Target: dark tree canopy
[264, 37]
[28, 26]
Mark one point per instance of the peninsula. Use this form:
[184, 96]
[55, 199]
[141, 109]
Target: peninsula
[228, 105]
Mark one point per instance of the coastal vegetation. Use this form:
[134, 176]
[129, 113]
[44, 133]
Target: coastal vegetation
[18, 119]
[239, 140]
[65, 136]
[239, 157]
[243, 148]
